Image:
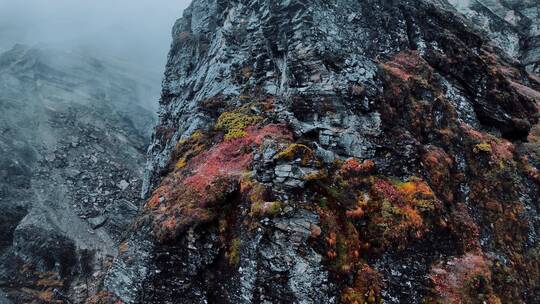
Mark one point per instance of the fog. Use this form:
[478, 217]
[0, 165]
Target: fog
[136, 31]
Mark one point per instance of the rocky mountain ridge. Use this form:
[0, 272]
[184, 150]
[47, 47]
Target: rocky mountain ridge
[513, 25]
[336, 151]
[342, 152]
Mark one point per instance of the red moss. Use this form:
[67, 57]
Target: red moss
[405, 65]
[501, 149]
[438, 165]
[183, 206]
[154, 201]
[398, 72]
[353, 167]
[464, 228]
[386, 190]
[230, 158]
[462, 279]
[356, 213]
[189, 195]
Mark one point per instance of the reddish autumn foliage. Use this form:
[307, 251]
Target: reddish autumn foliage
[386, 190]
[403, 69]
[464, 228]
[354, 167]
[463, 279]
[439, 165]
[182, 206]
[153, 201]
[230, 158]
[499, 149]
[405, 65]
[356, 213]
[189, 194]
[400, 211]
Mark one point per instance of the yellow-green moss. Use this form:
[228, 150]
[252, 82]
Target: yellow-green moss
[234, 252]
[387, 211]
[233, 134]
[295, 150]
[188, 148]
[424, 205]
[235, 123]
[482, 147]
[181, 163]
[351, 296]
[274, 208]
[265, 208]
[347, 243]
[197, 135]
[317, 175]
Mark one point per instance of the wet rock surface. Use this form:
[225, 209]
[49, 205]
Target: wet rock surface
[341, 152]
[513, 25]
[71, 154]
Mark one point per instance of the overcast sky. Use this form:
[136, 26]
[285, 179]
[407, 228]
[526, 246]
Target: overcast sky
[135, 30]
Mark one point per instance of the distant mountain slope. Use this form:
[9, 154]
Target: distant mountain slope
[73, 134]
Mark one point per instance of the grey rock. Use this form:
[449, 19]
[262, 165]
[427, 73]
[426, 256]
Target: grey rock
[283, 171]
[513, 26]
[97, 222]
[4, 299]
[123, 185]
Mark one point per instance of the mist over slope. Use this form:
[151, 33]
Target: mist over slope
[73, 135]
[79, 89]
[136, 31]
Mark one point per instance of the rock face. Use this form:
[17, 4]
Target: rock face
[514, 25]
[331, 151]
[73, 131]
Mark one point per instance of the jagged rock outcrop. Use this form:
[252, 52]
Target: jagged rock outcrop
[73, 132]
[514, 25]
[339, 152]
